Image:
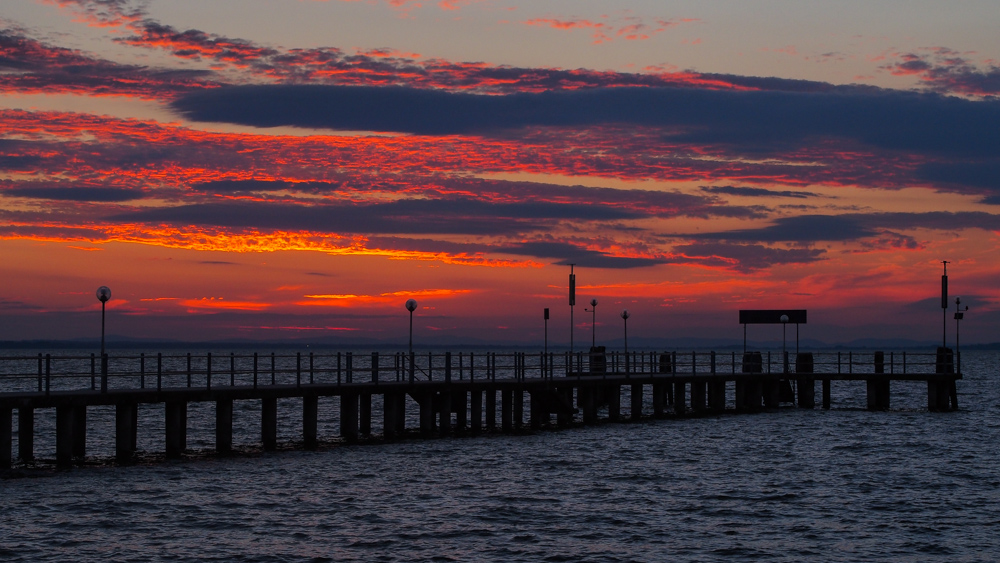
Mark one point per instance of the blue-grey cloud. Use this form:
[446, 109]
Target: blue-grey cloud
[754, 120]
[853, 226]
[756, 192]
[565, 253]
[105, 195]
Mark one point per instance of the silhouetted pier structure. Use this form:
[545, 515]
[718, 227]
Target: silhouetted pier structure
[448, 392]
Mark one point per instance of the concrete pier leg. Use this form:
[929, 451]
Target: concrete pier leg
[6, 437]
[953, 392]
[717, 396]
[659, 398]
[269, 423]
[564, 417]
[636, 406]
[588, 395]
[506, 410]
[872, 388]
[518, 402]
[124, 431]
[741, 395]
[310, 422]
[614, 395]
[365, 414]
[826, 394]
[176, 428]
[476, 406]
[460, 406]
[80, 431]
[491, 409]
[444, 413]
[224, 426]
[64, 436]
[349, 416]
[390, 411]
[400, 414]
[756, 394]
[883, 395]
[807, 393]
[771, 391]
[698, 396]
[26, 434]
[680, 397]
[535, 410]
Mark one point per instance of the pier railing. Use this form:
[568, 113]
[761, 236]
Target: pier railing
[46, 373]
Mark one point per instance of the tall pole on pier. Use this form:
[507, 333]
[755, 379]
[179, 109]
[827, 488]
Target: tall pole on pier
[103, 295]
[625, 316]
[411, 305]
[572, 304]
[944, 305]
[593, 322]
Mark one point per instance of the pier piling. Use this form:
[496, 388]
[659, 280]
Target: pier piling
[175, 417]
[6, 436]
[349, 416]
[223, 425]
[269, 423]
[310, 418]
[64, 435]
[26, 434]
[125, 431]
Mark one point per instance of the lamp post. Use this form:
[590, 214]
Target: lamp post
[103, 295]
[593, 322]
[959, 315]
[411, 305]
[625, 316]
[784, 353]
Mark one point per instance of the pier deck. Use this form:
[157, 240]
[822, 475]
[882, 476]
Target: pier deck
[449, 392]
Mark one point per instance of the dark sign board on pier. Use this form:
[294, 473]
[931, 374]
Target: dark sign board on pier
[771, 316]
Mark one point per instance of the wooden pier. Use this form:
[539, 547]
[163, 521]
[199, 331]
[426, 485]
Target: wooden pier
[448, 392]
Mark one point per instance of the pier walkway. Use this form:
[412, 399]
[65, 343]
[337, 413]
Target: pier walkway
[443, 393]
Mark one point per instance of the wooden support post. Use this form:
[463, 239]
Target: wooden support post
[614, 396]
[565, 415]
[80, 431]
[64, 436]
[506, 410]
[125, 431]
[6, 437]
[444, 412]
[680, 397]
[365, 413]
[175, 415]
[26, 434]
[349, 416]
[460, 406]
[588, 396]
[310, 421]
[491, 409]
[826, 394]
[223, 426]
[476, 408]
[535, 410]
[426, 401]
[741, 395]
[636, 406]
[659, 398]
[717, 395]
[400, 414]
[806, 385]
[771, 391]
[698, 395]
[269, 423]
[390, 411]
[518, 408]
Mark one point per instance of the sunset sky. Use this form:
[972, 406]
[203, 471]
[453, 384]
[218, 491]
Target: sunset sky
[276, 169]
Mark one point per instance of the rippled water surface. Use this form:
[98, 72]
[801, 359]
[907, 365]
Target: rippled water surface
[792, 485]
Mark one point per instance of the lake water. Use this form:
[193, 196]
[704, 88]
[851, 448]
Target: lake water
[790, 485]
